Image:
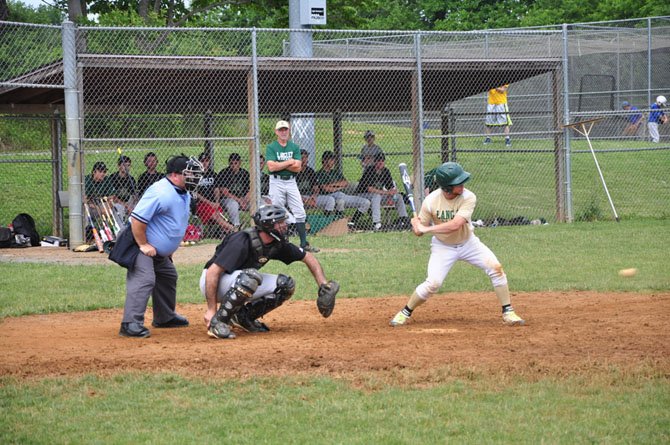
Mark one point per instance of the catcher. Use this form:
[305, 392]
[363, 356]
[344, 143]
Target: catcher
[231, 276]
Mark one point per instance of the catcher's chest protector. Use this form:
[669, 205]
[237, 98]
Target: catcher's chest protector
[260, 256]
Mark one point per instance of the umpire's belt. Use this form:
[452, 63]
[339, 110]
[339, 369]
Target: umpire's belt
[283, 178]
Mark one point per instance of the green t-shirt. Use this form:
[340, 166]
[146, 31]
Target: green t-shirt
[98, 189]
[328, 177]
[275, 152]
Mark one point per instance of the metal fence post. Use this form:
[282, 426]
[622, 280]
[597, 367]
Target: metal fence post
[74, 171]
[254, 127]
[417, 120]
[566, 131]
[56, 174]
[649, 95]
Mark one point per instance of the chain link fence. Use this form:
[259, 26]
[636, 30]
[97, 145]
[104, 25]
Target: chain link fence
[219, 92]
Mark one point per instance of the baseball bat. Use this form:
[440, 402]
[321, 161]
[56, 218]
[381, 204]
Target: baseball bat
[404, 174]
[103, 221]
[111, 214]
[96, 237]
[97, 221]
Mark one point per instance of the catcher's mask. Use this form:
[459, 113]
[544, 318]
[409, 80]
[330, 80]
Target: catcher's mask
[266, 219]
[450, 174]
[191, 168]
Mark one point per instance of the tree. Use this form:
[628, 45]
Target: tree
[16, 11]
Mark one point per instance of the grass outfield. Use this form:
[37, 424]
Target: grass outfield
[481, 410]
[613, 406]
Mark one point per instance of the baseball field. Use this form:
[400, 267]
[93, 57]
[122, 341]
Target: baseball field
[592, 364]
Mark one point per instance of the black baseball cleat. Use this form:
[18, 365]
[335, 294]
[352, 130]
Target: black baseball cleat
[242, 320]
[134, 330]
[175, 322]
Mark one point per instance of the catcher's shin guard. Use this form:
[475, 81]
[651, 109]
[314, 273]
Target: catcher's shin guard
[284, 290]
[244, 287]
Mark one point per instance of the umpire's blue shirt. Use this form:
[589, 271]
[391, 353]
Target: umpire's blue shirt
[164, 208]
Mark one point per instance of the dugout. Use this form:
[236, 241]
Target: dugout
[281, 86]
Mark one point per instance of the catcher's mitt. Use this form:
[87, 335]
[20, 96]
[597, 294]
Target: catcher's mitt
[326, 299]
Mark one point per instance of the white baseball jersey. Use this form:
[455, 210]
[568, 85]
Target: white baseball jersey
[437, 209]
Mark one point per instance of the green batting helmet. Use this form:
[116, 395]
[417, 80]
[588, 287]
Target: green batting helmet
[450, 174]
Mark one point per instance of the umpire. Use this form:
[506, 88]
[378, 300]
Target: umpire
[158, 223]
[231, 276]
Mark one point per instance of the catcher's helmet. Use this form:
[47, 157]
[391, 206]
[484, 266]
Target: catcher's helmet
[267, 216]
[450, 174]
[661, 100]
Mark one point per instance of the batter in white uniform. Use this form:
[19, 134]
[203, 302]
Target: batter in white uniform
[447, 213]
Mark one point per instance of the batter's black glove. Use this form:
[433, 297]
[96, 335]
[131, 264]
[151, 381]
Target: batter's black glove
[326, 299]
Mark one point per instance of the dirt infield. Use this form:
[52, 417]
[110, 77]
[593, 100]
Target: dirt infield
[567, 333]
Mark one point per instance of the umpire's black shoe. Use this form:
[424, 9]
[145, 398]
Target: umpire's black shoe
[134, 330]
[175, 322]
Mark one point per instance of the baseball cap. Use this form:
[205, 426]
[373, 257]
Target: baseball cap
[234, 157]
[380, 156]
[282, 124]
[100, 166]
[176, 164]
[368, 134]
[304, 152]
[122, 159]
[625, 103]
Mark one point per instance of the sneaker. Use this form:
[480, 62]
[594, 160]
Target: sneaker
[218, 329]
[312, 249]
[353, 228]
[242, 321]
[508, 142]
[135, 330]
[510, 318]
[400, 319]
[487, 141]
[377, 227]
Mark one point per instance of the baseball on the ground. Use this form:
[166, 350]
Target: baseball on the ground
[628, 272]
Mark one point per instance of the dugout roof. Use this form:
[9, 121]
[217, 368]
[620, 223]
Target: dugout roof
[130, 84]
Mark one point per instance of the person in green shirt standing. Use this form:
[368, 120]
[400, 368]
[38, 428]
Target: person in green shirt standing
[283, 160]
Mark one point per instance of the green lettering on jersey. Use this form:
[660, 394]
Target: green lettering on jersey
[444, 215]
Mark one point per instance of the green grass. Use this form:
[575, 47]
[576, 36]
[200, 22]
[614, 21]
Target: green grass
[579, 256]
[162, 408]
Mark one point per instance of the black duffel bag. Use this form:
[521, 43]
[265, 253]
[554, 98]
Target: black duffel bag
[125, 249]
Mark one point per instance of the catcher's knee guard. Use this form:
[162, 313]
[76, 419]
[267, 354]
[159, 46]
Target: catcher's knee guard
[244, 287]
[247, 282]
[284, 290]
[285, 287]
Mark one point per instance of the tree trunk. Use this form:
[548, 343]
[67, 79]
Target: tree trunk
[4, 10]
[75, 9]
[143, 10]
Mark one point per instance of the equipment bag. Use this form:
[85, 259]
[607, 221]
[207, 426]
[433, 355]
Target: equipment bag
[6, 237]
[24, 224]
[125, 249]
